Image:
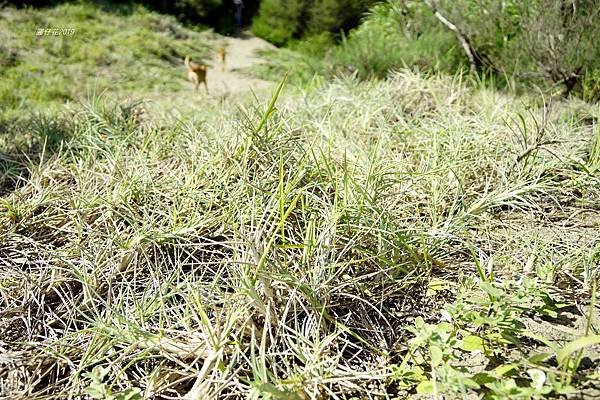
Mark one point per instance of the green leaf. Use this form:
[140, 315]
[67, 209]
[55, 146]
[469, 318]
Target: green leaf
[565, 390]
[444, 327]
[436, 285]
[539, 358]
[472, 343]
[503, 369]
[269, 388]
[578, 344]
[469, 383]
[491, 290]
[419, 322]
[483, 377]
[425, 387]
[273, 392]
[97, 390]
[271, 107]
[436, 354]
[97, 374]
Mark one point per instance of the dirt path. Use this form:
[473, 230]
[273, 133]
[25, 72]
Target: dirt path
[240, 56]
[230, 82]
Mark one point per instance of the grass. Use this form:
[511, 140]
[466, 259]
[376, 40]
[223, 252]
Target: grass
[410, 237]
[392, 36]
[128, 51]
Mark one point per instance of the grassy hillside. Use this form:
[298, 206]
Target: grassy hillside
[405, 238]
[125, 50]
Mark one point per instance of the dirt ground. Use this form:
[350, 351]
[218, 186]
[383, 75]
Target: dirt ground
[224, 82]
[240, 55]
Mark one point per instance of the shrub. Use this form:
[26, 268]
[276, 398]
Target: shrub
[549, 44]
[314, 45]
[280, 21]
[394, 35]
[336, 15]
[546, 42]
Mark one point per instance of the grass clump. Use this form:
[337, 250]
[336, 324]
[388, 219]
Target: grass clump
[370, 238]
[418, 235]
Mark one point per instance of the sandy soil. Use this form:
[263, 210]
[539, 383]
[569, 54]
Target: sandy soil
[227, 83]
[240, 55]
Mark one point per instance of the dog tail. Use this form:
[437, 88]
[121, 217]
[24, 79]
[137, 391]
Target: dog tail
[187, 62]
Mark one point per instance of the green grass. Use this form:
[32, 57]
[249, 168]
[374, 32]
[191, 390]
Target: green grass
[386, 41]
[413, 236]
[128, 51]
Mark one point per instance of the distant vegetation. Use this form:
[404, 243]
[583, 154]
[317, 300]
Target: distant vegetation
[217, 14]
[281, 21]
[128, 50]
[546, 43]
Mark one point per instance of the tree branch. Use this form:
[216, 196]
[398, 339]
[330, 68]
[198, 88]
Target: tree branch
[459, 35]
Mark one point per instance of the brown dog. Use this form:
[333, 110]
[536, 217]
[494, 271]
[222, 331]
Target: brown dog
[221, 58]
[196, 73]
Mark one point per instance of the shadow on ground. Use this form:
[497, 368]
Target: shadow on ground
[26, 142]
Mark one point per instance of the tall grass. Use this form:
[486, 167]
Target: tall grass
[415, 235]
[277, 251]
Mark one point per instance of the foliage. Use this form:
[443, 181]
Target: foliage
[541, 42]
[487, 321]
[335, 15]
[213, 13]
[386, 41]
[391, 36]
[97, 389]
[280, 21]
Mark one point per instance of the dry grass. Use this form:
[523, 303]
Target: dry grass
[313, 247]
